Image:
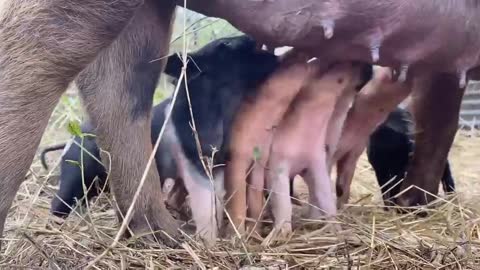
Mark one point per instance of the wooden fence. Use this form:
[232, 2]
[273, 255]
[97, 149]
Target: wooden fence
[470, 109]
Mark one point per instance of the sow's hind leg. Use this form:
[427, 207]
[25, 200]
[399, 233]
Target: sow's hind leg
[118, 92]
[43, 46]
[436, 108]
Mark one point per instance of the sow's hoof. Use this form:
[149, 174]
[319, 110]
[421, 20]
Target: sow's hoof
[413, 198]
[160, 227]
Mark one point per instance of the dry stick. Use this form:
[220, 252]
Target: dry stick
[185, 34]
[52, 263]
[37, 194]
[84, 187]
[460, 208]
[129, 214]
[58, 162]
[372, 240]
[194, 256]
[208, 172]
[192, 125]
[91, 222]
[185, 62]
[318, 258]
[108, 175]
[196, 134]
[390, 256]
[261, 214]
[194, 129]
[61, 120]
[195, 30]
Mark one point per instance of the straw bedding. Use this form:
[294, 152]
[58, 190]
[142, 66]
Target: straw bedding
[371, 238]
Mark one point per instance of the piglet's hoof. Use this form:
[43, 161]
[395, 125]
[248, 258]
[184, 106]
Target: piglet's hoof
[254, 230]
[207, 237]
[295, 199]
[341, 203]
[315, 213]
[342, 197]
[278, 234]
[230, 232]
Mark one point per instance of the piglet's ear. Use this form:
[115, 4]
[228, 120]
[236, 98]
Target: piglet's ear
[174, 66]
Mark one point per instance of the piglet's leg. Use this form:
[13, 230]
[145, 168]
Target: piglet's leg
[236, 191]
[255, 198]
[202, 202]
[278, 183]
[294, 195]
[200, 190]
[256, 188]
[322, 201]
[345, 171]
[219, 184]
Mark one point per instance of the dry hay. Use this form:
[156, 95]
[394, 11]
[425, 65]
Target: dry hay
[448, 238]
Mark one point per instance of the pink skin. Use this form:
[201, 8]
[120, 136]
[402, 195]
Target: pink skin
[372, 105]
[336, 123]
[249, 131]
[299, 142]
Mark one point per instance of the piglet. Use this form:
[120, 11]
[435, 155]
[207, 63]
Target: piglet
[300, 141]
[389, 152]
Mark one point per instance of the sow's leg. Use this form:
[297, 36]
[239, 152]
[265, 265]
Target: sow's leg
[43, 46]
[435, 106]
[118, 92]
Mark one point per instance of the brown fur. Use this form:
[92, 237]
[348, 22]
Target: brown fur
[412, 32]
[41, 51]
[435, 105]
[111, 90]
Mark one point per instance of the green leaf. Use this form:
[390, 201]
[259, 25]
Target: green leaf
[73, 128]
